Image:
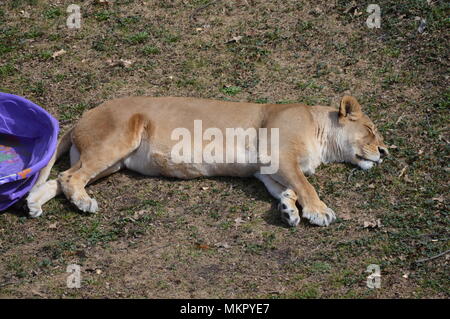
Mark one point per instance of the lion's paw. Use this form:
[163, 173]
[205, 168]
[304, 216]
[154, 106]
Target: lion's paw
[289, 213]
[34, 209]
[33, 203]
[86, 204]
[321, 216]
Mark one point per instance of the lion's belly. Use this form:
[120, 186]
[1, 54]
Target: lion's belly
[140, 161]
[153, 161]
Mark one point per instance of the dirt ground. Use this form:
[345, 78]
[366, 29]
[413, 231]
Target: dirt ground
[223, 237]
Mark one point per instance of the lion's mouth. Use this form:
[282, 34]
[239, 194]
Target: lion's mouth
[367, 159]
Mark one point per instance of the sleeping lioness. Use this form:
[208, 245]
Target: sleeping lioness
[137, 133]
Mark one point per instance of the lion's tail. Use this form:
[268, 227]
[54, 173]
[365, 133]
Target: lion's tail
[64, 144]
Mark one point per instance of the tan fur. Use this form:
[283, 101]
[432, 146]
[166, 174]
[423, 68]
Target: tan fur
[135, 133]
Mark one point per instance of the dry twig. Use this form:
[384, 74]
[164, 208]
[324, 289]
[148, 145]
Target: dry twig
[433, 257]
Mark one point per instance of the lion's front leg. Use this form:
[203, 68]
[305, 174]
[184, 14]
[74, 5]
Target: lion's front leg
[287, 199]
[313, 208]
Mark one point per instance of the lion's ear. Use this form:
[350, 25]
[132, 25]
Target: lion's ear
[350, 108]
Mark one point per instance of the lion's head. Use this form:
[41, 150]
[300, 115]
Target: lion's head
[365, 145]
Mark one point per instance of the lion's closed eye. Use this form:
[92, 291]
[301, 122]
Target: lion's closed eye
[368, 135]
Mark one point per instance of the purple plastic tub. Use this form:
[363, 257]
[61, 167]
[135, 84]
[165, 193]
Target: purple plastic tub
[28, 138]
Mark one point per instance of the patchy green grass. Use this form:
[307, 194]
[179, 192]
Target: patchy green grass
[222, 237]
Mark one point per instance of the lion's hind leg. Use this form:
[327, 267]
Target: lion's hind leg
[73, 184]
[50, 189]
[99, 158]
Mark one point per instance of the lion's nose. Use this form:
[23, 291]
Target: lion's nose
[383, 151]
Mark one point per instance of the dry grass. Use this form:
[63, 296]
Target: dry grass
[308, 51]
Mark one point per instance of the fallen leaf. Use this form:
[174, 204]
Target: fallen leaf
[316, 11]
[238, 221]
[439, 199]
[201, 246]
[126, 63]
[25, 14]
[139, 214]
[357, 13]
[372, 186]
[104, 2]
[372, 224]
[205, 188]
[345, 216]
[402, 171]
[58, 53]
[38, 293]
[235, 39]
[222, 245]
[122, 62]
[53, 226]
